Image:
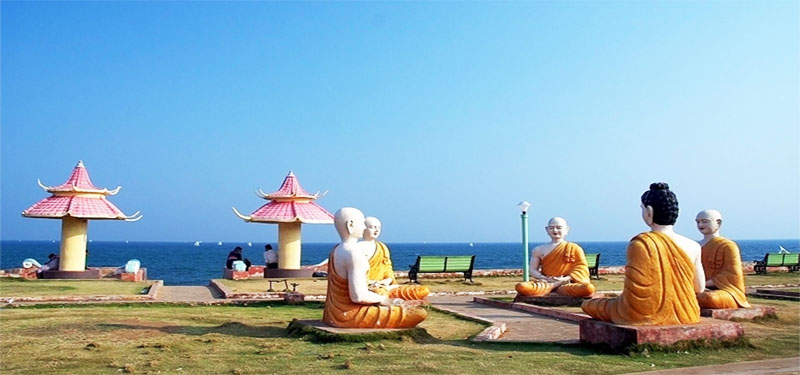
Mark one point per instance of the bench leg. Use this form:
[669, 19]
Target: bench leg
[468, 275]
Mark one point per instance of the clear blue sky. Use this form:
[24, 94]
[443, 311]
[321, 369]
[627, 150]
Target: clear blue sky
[435, 117]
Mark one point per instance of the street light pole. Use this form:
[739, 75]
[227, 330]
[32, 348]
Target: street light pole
[524, 205]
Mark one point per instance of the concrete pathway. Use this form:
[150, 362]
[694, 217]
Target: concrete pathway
[188, 294]
[786, 366]
[525, 327]
[520, 326]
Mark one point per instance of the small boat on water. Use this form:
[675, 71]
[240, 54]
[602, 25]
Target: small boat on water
[219, 243]
[250, 244]
[471, 244]
[197, 243]
[782, 250]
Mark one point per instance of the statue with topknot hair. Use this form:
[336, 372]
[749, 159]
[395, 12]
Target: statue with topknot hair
[663, 273]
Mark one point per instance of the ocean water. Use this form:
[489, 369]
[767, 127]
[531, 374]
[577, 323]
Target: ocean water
[182, 263]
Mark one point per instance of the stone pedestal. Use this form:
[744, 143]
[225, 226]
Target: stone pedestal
[92, 273]
[140, 275]
[325, 333]
[555, 299]
[252, 272]
[619, 337]
[294, 298]
[742, 313]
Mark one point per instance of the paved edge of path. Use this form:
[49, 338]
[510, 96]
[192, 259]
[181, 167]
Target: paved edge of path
[781, 366]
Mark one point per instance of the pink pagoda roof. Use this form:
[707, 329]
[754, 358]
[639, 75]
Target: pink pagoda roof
[289, 212]
[291, 203]
[80, 182]
[289, 189]
[78, 198]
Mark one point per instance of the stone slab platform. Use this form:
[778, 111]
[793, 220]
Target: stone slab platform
[323, 332]
[252, 272]
[742, 313]
[56, 274]
[318, 324]
[619, 337]
[555, 299]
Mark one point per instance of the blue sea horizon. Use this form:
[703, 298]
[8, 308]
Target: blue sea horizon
[183, 263]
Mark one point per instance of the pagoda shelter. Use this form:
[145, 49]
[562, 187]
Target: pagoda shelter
[74, 203]
[288, 207]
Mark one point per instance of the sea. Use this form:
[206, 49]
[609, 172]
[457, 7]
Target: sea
[183, 263]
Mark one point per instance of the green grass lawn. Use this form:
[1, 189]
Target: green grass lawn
[487, 284]
[35, 288]
[112, 339]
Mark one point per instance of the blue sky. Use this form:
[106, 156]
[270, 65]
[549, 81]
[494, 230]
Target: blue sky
[435, 117]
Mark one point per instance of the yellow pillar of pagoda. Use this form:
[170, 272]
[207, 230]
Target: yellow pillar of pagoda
[73, 244]
[289, 245]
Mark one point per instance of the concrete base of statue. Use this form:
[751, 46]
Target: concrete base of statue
[252, 272]
[323, 332]
[555, 299]
[277, 273]
[748, 313]
[91, 273]
[620, 337]
[294, 298]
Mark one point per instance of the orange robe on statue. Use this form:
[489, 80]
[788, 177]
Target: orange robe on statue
[723, 264]
[380, 268]
[341, 311]
[659, 286]
[567, 259]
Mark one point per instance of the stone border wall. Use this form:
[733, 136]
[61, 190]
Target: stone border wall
[151, 295]
[540, 310]
[229, 294]
[492, 332]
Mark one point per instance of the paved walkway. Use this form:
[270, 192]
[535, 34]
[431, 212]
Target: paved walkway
[188, 294]
[520, 326]
[787, 366]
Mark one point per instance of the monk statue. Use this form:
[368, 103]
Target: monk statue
[722, 265]
[380, 277]
[349, 303]
[663, 273]
[558, 266]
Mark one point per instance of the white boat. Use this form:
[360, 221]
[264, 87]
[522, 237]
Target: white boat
[197, 243]
[783, 250]
[250, 244]
[471, 244]
[219, 243]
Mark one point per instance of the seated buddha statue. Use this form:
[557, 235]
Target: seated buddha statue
[663, 271]
[722, 265]
[349, 303]
[380, 277]
[558, 266]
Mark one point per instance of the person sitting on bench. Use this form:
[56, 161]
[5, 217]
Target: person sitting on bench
[235, 255]
[270, 257]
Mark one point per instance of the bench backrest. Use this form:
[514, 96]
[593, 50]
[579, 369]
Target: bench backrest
[591, 260]
[431, 263]
[774, 260]
[791, 259]
[459, 263]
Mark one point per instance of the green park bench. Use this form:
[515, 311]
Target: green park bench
[593, 260]
[437, 264]
[790, 260]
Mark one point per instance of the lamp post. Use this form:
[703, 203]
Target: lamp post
[524, 205]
